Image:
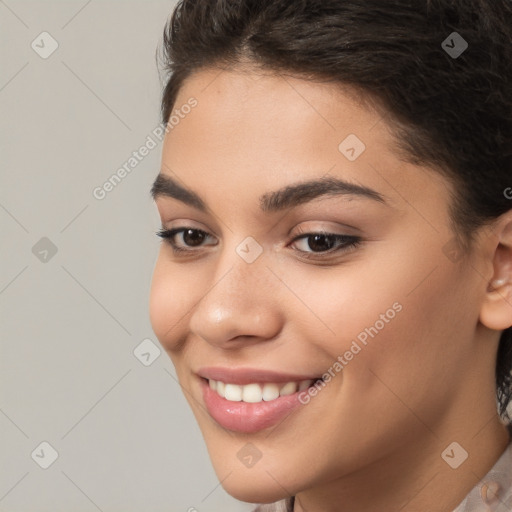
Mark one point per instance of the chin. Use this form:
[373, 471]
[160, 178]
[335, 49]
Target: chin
[263, 483]
[253, 491]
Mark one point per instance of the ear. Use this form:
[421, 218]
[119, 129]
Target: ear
[496, 310]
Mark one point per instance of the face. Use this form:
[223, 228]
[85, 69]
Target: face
[351, 282]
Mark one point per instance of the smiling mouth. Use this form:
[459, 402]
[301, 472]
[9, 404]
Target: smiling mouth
[250, 400]
[256, 392]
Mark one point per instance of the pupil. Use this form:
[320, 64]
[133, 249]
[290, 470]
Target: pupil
[190, 239]
[318, 245]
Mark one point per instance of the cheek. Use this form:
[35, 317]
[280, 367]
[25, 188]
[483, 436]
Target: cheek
[396, 314]
[169, 302]
[347, 303]
[418, 354]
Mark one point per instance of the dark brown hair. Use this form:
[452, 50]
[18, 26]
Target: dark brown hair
[451, 112]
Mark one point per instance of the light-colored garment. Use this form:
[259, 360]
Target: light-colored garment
[492, 494]
[494, 491]
[279, 506]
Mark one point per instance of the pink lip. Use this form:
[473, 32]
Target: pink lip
[247, 417]
[242, 376]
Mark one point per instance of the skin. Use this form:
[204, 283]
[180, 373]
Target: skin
[425, 381]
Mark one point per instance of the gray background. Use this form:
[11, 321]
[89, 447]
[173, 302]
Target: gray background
[70, 321]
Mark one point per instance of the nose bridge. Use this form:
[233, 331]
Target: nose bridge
[240, 300]
[241, 266]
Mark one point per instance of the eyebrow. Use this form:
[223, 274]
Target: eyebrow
[287, 197]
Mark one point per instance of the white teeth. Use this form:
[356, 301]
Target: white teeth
[270, 392]
[233, 393]
[220, 388]
[288, 389]
[254, 393]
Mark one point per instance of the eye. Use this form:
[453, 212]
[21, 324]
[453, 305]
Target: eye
[322, 242]
[190, 237]
[311, 245]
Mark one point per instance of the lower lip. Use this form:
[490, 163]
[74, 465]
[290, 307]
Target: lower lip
[247, 417]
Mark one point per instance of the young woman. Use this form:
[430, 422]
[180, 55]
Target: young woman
[334, 286]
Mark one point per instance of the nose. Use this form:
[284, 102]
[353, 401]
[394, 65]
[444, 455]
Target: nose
[240, 305]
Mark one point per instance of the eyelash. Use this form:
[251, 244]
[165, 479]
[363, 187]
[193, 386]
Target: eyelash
[348, 241]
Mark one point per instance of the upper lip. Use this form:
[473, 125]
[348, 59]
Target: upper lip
[243, 376]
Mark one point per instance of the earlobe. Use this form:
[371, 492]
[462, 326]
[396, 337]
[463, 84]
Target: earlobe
[498, 283]
[496, 311]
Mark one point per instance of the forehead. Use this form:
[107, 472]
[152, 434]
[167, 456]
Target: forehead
[258, 131]
[267, 102]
